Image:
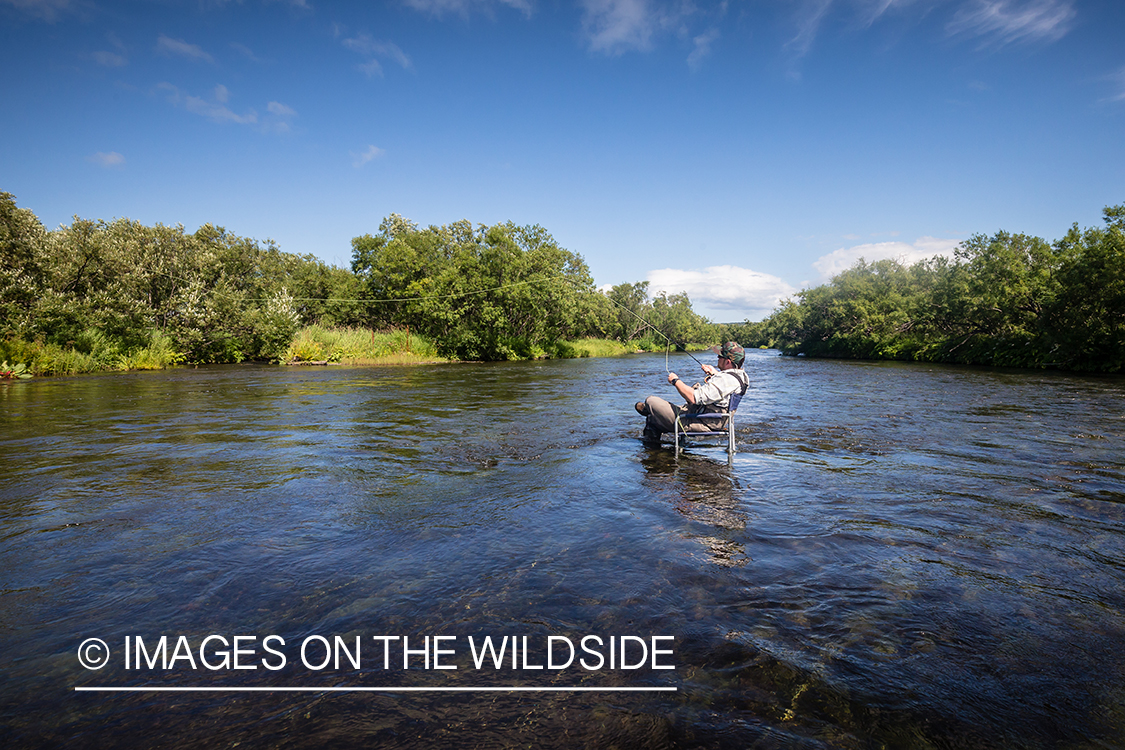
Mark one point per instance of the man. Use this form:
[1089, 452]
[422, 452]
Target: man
[713, 395]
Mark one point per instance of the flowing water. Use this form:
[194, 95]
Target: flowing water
[898, 556]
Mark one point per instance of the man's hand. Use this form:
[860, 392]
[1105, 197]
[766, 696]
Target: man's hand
[686, 392]
[709, 370]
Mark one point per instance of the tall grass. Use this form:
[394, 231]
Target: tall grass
[48, 359]
[359, 346]
[157, 355]
[91, 351]
[598, 348]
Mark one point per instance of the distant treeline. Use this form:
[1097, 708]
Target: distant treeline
[120, 294]
[98, 295]
[1007, 300]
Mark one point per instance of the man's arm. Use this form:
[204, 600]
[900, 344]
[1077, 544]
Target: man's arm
[682, 388]
[718, 386]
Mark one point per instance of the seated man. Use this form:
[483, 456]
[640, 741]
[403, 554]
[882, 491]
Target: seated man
[713, 395]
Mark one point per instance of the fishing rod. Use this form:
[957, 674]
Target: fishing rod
[683, 348]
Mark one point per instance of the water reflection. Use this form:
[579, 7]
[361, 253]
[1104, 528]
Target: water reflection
[708, 495]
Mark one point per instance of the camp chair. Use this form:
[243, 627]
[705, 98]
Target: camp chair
[726, 429]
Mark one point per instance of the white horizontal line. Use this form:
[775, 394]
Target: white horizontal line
[143, 689]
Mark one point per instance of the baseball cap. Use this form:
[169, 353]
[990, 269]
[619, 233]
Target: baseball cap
[732, 351]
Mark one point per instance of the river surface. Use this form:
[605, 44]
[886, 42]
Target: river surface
[899, 556]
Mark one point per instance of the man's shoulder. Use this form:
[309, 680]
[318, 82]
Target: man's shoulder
[737, 379]
[737, 374]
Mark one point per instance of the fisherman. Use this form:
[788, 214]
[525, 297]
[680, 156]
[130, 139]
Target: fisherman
[713, 395]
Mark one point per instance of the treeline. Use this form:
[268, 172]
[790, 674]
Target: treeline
[504, 292]
[100, 295]
[103, 292]
[1008, 300]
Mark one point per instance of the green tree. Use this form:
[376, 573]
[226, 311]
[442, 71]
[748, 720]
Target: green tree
[1088, 310]
[496, 292]
[21, 271]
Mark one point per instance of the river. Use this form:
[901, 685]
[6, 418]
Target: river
[899, 555]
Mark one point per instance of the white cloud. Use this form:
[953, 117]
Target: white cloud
[811, 16]
[48, 10]
[112, 59]
[168, 46]
[463, 8]
[844, 258]
[279, 109]
[371, 68]
[246, 51]
[808, 25]
[216, 110]
[1118, 80]
[872, 10]
[222, 93]
[702, 48]
[1006, 21]
[994, 21]
[109, 59]
[747, 293]
[361, 158]
[108, 160]
[617, 26]
[373, 50]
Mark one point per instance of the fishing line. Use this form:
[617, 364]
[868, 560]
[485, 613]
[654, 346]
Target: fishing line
[670, 344]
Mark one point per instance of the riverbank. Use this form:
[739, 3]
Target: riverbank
[92, 351]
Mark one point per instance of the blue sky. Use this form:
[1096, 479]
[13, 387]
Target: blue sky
[738, 151]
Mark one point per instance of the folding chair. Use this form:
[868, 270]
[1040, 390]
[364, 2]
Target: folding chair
[726, 429]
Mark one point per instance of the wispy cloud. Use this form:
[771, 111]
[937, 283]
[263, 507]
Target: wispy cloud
[166, 45]
[110, 59]
[362, 157]
[47, 10]
[809, 19]
[724, 288]
[279, 119]
[105, 159]
[1006, 21]
[997, 22]
[617, 26]
[246, 52]
[1118, 80]
[924, 247]
[870, 11]
[215, 110]
[464, 8]
[701, 48]
[374, 50]
[279, 109]
[812, 15]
